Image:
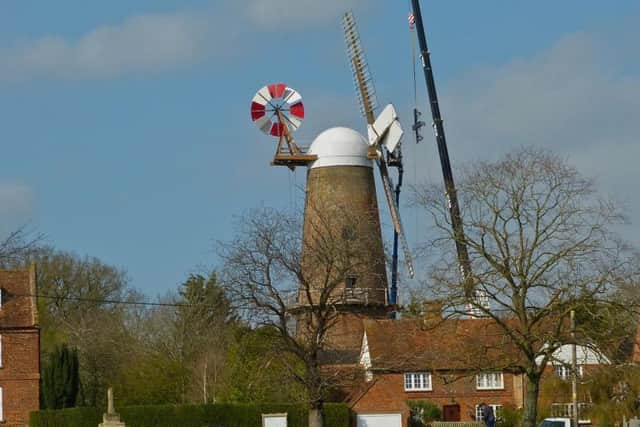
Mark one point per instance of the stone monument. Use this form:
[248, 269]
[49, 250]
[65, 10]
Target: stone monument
[111, 418]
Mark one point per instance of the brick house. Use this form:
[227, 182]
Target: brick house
[555, 396]
[456, 364]
[19, 347]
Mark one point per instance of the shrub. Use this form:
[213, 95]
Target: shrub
[335, 415]
[423, 412]
[510, 417]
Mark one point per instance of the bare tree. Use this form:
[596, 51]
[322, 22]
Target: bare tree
[541, 245]
[17, 246]
[281, 279]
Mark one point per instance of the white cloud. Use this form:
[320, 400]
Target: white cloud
[289, 14]
[16, 201]
[145, 42]
[579, 98]
[565, 99]
[161, 41]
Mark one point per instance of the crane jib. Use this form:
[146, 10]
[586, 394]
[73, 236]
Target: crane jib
[454, 210]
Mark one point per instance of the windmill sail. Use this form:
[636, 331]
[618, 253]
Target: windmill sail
[360, 68]
[385, 131]
[395, 215]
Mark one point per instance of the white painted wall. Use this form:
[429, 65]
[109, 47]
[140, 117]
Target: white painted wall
[274, 420]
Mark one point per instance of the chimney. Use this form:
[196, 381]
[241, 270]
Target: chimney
[432, 312]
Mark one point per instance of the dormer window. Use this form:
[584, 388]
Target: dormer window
[350, 282]
[349, 233]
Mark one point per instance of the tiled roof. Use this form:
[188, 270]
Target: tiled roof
[452, 344]
[338, 357]
[18, 308]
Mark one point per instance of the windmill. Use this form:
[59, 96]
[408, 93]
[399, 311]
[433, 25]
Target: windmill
[384, 133]
[339, 180]
[278, 110]
[340, 202]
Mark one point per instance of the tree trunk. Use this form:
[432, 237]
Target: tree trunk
[204, 383]
[315, 417]
[531, 400]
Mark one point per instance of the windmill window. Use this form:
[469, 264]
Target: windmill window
[350, 282]
[349, 233]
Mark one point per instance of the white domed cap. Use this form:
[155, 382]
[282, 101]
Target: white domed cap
[340, 146]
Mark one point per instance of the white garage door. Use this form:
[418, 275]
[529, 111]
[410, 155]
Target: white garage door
[379, 420]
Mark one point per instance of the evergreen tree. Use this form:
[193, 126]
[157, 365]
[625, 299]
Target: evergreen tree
[61, 380]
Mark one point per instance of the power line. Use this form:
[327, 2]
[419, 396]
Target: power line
[109, 301]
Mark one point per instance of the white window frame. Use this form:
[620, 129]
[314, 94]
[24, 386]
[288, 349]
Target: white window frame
[497, 411]
[566, 410]
[417, 381]
[1, 364]
[564, 371]
[490, 381]
[1, 405]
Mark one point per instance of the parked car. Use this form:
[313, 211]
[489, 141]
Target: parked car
[557, 422]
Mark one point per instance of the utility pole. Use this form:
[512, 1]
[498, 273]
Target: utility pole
[574, 370]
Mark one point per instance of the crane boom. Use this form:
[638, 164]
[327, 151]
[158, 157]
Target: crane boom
[450, 189]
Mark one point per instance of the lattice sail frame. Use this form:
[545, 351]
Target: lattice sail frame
[368, 103]
[362, 79]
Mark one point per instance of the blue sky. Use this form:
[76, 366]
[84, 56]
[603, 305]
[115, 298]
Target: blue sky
[125, 131]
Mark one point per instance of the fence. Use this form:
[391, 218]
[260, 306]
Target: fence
[456, 424]
[566, 410]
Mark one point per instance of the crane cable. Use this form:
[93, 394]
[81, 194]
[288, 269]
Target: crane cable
[290, 185]
[294, 190]
[412, 36]
[412, 33]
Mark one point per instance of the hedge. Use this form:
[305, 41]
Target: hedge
[72, 417]
[218, 415]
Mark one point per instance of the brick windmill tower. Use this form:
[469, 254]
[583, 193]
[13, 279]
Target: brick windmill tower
[341, 203]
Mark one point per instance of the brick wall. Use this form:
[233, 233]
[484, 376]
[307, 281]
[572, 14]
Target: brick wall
[18, 307]
[20, 341]
[383, 396]
[20, 398]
